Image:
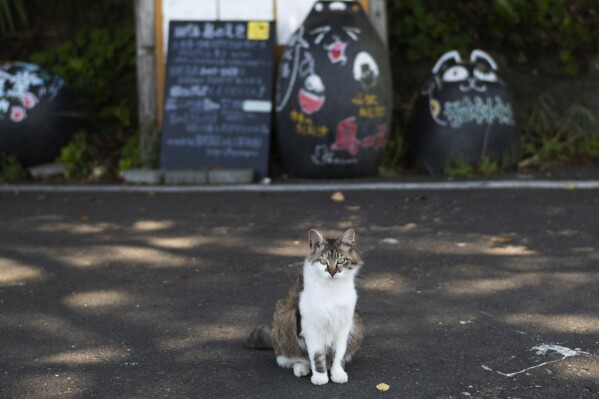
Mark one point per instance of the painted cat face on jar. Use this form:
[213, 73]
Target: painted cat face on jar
[467, 91]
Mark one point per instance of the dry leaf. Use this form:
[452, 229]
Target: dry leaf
[338, 196]
[500, 239]
[409, 200]
[353, 208]
[383, 387]
[84, 218]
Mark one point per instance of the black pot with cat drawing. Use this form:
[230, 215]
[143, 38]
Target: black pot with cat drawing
[464, 114]
[333, 95]
[315, 327]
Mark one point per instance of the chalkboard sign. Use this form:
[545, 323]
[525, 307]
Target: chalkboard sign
[218, 95]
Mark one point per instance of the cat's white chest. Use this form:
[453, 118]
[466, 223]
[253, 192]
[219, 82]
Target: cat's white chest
[328, 309]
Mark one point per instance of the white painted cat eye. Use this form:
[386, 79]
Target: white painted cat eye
[456, 73]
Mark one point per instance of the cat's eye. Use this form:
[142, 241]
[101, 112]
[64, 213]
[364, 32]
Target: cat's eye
[341, 261]
[456, 73]
[323, 262]
[485, 76]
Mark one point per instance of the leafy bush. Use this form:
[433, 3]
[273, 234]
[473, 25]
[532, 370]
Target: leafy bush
[99, 65]
[12, 12]
[519, 29]
[131, 154]
[554, 135]
[79, 157]
[10, 169]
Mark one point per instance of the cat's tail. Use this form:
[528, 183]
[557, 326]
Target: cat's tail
[260, 338]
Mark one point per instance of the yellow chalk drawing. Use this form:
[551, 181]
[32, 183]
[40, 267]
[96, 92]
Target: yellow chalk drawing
[435, 107]
[305, 125]
[258, 30]
[369, 106]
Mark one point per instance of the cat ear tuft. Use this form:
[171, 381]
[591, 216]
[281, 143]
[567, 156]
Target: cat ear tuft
[349, 237]
[315, 239]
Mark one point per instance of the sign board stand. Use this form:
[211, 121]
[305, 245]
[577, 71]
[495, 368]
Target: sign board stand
[218, 95]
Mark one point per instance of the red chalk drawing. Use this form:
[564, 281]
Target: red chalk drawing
[347, 137]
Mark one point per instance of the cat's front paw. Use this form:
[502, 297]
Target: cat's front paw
[319, 378]
[301, 369]
[338, 376]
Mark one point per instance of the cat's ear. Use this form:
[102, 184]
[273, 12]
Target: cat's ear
[315, 239]
[348, 238]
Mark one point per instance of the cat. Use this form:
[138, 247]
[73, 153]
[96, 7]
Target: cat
[315, 328]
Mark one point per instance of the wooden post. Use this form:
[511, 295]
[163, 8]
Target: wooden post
[377, 10]
[146, 77]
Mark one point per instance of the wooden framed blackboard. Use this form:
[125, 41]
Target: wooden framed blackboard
[218, 95]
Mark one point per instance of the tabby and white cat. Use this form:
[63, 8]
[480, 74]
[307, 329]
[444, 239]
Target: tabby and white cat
[315, 328]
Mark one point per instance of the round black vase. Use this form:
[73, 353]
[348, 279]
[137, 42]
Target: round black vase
[463, 115]
[333, 95]
[38, 115]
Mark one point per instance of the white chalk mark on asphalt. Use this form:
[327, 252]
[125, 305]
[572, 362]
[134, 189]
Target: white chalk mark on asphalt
[312, 187]
[541, 350]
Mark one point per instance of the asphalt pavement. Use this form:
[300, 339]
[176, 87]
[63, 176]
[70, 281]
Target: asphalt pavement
[464, 293]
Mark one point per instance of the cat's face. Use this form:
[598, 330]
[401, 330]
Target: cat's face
[473, 75]
[333, 258]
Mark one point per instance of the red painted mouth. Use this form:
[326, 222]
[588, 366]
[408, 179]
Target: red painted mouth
[310, 102]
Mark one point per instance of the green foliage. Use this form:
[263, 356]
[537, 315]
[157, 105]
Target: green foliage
[487, 166]
[10, 169]
[552, 135]
[78, 156]
[131, 154]
[12, 12]
[520, 29]
[461, 168]
[99, 64]
[424, 32]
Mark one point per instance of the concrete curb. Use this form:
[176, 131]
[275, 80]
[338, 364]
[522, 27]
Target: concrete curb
[315, 187]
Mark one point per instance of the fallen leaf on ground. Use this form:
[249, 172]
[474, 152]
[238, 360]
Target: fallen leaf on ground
[353, 208]
[409, 200]
[84, 218]
[500, 239]
[383, 387]
[338, 196]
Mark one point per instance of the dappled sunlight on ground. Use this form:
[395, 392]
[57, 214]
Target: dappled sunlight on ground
[103, 300]
[87, 356]
[13, 272]
[45, 325]
[153, 225]
[77, 228]
[563, 323]
[102, 255]
[203, 333]
[51, 385]
[154, 296]
[385, 282]
[454, 247]
[488, 286]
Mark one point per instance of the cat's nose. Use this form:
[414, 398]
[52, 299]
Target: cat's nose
[332, 270]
